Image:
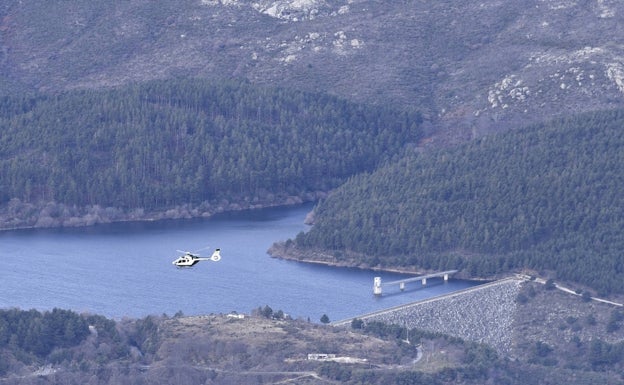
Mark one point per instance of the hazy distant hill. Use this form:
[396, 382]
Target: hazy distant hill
[471, 66]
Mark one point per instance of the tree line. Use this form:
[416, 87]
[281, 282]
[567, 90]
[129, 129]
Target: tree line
[546, 198]
[186, 141]
[65, 338]
[40, 333]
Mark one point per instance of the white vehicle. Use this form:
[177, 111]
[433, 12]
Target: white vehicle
[189, 259]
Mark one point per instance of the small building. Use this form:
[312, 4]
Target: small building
[320, 356]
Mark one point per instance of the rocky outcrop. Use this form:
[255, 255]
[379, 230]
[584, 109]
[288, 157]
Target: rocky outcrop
[470, 68]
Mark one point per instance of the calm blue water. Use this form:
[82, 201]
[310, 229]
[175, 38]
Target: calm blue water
[125, 269]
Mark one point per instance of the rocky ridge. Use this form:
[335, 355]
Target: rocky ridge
[471, 68]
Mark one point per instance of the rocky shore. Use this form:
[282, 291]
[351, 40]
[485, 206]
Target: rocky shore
[288, 251]
[17, 214]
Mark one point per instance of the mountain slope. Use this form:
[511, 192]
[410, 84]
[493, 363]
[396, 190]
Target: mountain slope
[474, 67]
[545, 198]
[162, 144]
[558, 339]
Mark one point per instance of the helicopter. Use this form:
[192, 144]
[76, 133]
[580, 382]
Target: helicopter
[189, 259]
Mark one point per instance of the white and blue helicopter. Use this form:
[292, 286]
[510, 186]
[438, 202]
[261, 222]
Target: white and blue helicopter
[188, 259]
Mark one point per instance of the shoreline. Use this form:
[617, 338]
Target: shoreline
[346, 265]
[17, 215]
[280, 250]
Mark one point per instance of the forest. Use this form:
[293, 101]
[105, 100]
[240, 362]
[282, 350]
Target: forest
[64, 338]
[547, 199]
[31, 336]
[39, 333]
[186, 141]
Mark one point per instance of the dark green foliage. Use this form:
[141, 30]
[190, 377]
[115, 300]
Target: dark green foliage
[40, 333]
[479, 356]
[335, 371]
[62, 337]
[522, 298]
[393, 331]
[266, 311]
[414, 378]
[546, 198]
[106, 328]
[175, 142]
[542, 349]
[612, 326]
[445, 376]
[590, 320]
[603, 355]
[357, 323]
[145, 335]
[4, 364]
[384, 330]
[615, 320]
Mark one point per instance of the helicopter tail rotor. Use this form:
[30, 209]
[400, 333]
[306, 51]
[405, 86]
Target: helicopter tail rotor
[216, 256]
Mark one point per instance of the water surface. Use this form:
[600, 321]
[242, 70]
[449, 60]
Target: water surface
[124, 269]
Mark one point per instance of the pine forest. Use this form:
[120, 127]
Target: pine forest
[547, 198]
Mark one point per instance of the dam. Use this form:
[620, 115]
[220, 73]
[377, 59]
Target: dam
[482, 313]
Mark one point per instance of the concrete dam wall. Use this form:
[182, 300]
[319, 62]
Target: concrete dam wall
[482, 313]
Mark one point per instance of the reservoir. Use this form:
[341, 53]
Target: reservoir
[124, 269]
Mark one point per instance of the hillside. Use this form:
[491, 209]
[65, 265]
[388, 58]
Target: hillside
[188, 146]
[472, 68]
[546, 198]
[557, 338]
[479, 135]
